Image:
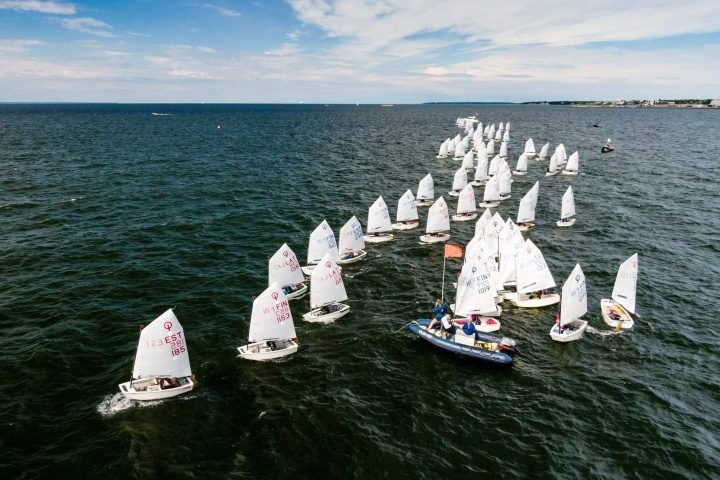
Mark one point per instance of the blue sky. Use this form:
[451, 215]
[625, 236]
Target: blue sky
[347, 51]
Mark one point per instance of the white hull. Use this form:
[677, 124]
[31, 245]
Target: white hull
[524, 227]
[435, 239]
[505, 197]
[544, 301]
[424, 203]
[509, 295]
[298, 293]
[454, 193]
[568, 172]
[381, 238]
[317, 315]
[465, 217]
[607, 306]
[361, 254]
[571, 332]
[550, 174]
[496, 313]
[262, 351]
[405, 226]
[489, 204]
[441, 156]
[483, 324]
[153, 390]
[478, 183]
[569, 223]
[519, 173]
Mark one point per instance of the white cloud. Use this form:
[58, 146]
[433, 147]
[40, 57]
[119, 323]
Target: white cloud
[39, 6]
[17, 46]
[284, 50]
[88, 25]
[227, 12]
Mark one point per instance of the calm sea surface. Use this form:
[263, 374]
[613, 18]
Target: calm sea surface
[109, 215]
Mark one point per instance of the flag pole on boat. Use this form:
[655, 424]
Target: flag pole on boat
[452, 250]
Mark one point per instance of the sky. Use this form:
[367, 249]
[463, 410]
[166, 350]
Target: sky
[348, 51]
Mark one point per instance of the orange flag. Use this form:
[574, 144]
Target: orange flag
[453, 251]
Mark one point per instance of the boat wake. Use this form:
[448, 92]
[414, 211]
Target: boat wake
[601, 333]
[117, 403]
[161, 114]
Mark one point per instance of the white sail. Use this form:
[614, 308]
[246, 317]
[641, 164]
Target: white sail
[626, 284]
[457, 139]
[530, 148]
[475, 292]
[503, 150]
[482, 221]
[522, 163]
[481, 150]
[378, 217]
[351, 236]
[490, 147]
[468, 160]
[443, 148]
[561, 154]
[326, 284]
[494, 165]
[481, 172]
[487, 254]
[507, 126]
[451, 146]
[533, 273]
[284, 268]
[573, 162]
[553, 163]
[506, 136]
[407, 210]
[322, 241]
[162, 349]
[271, 317]
[460, 179]
[501, 126]
[574, 297]
[498, 135]
[466, 200]
[568, 204]
[492, 231]
[505, 184]
[511, 241]
[460, 150]
[544, 150]
[492, 190]
[526, 210]
[438, 219]
[426, 188]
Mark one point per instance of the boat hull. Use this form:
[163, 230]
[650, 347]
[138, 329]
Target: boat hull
[317, 315]
[483, 324]
[524, 227]
[381, 238]
[128, 390]
[424, 203]
[572, 331]
[608, 306]
[478, 183]
[569, 172]
[464, 218]
[569, 223]
[296, 294]
[419, 328]
[361, 255]
[435, 238]
[519, 173]
[544, 301]
[405, 226]
[454, 193]
[550, 174]
[489, 204]
[496, 313]
[260, 351]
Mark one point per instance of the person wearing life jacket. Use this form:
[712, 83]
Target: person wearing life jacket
[441, 309]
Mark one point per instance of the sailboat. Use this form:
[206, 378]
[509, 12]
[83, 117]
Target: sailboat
[510, 243]
[327, 290]
[530, 148]
[272, 331]
[490, 148]
[552, 167]
[459, 150]
[466, 207]
[468, 162]
[378, 223]
[459, 182]
[494, 166]
[503, 150]
[491, 196]
[567, 211]
[475, 295]
[438, 222]
[425, 192]
[526, 210]
[608, 147]
[521, 167]
[407, 215]
[617, 312]
[505, 184]
[569, 327]
[572, 165]
[284, 269]
[533, 278]
[481, 172]
[352, 243]
[506, 136]
[561, 155]
[162, 365]
[482, 222]
[322, 241]
[543, 152]
[443, 149]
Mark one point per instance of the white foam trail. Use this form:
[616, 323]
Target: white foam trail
[601, 333]
[117, 403]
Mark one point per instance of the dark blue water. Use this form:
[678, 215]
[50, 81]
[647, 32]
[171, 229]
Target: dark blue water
[109, 215]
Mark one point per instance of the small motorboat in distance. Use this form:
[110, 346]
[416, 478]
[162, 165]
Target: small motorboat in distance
[608, 147]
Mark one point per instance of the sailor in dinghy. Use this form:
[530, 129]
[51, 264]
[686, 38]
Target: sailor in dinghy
[466, 208]
[272, 330]
[162, 365]
[438, 222]
[567, 211]
[322, 241]
[284, 269]
[608, 147]
[617, 311]
[533, 279]
[327, 290]
[568, 326]
[425, 192]
[407, 215]
[378, 224]
[352, 243]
